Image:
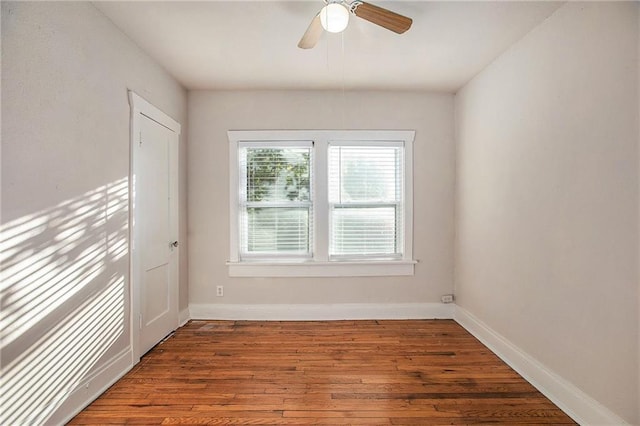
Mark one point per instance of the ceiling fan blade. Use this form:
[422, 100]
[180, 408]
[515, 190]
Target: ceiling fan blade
[381, 16]
[312, 35]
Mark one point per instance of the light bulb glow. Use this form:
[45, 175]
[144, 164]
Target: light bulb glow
[334, 17]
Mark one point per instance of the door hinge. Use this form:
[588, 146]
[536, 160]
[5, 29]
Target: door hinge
[140, 139]
[140, 325]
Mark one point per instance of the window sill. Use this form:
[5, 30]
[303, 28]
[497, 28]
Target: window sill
[322, 269]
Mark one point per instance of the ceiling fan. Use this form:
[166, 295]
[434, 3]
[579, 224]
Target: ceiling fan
[334, 18]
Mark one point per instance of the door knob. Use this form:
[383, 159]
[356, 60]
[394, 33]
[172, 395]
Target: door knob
[174, 244]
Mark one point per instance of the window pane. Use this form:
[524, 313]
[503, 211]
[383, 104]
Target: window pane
[277, 174]
[364, 174]
[275, 198]
[366, 189]
[363, 231]
[277, 230]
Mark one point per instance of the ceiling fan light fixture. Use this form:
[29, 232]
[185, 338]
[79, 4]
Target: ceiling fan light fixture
[334, 17]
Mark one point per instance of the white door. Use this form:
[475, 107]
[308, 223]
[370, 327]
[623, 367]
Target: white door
[155, 230]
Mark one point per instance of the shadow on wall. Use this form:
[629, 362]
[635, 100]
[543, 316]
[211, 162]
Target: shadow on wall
[62, 295]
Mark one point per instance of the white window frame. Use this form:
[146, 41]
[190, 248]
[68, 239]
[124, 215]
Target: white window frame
[320, 265]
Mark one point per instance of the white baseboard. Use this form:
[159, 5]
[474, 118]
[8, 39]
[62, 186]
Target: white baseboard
[578, 405]
[92, 387]
[183, 317]
[309, 312]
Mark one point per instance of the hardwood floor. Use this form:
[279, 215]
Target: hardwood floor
[427, 372]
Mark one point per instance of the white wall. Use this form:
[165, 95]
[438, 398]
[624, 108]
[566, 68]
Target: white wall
[211, 114]
[65, 166]
[547, 199]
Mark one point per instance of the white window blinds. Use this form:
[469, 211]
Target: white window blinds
[366, 200]
[275, 199]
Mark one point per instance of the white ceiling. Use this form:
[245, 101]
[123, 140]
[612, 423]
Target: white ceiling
[253, 44]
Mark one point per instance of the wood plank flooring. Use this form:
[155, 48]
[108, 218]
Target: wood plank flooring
[427, 372]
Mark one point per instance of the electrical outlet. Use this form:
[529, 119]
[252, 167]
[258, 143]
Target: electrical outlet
[219, 291]
[447, 298]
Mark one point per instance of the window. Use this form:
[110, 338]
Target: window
[320, 203]
[366, 200]
[275, 200]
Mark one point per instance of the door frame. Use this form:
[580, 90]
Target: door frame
[141, 107]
